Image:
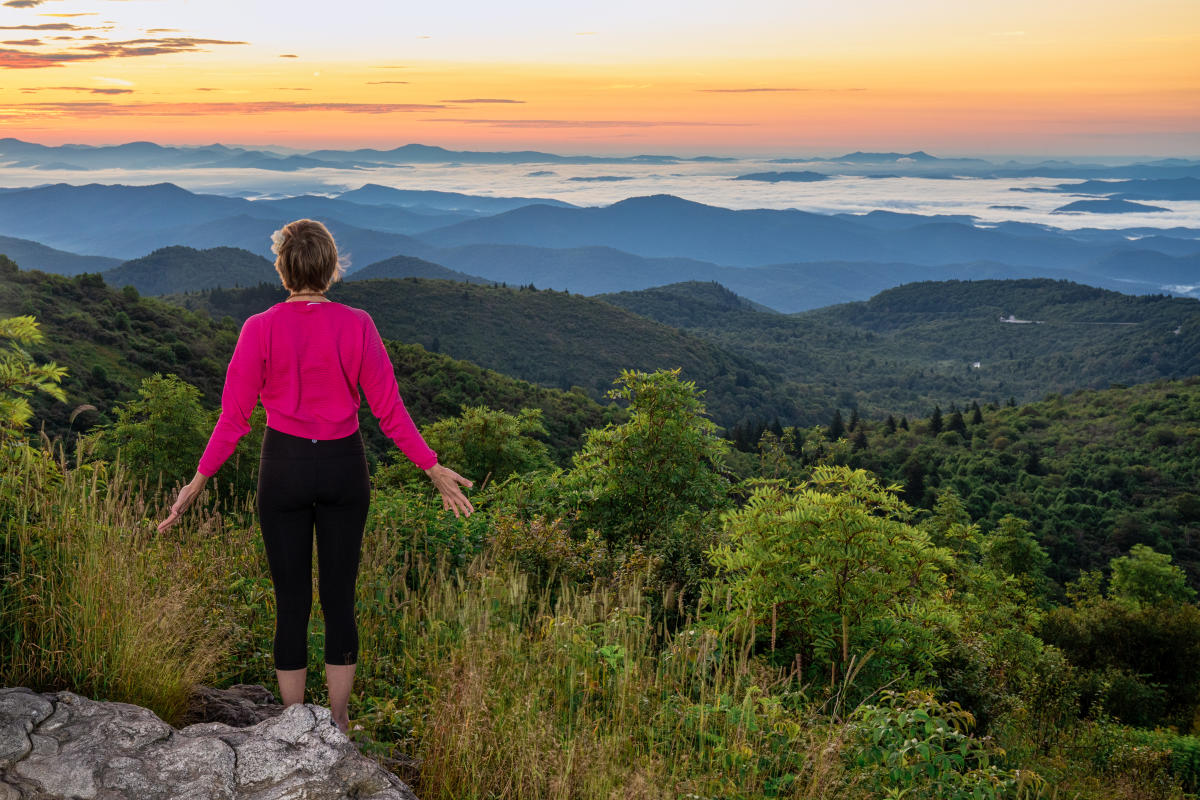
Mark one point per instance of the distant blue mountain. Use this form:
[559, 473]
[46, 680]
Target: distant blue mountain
[428, 154]
[34, 255]
[860, 157]
[410, 267]
[1139, 189]
[803, 176]
[148, 155]
[376, 195]
[601, 178]
[666, 226]
[1109, 206]
[785, 259]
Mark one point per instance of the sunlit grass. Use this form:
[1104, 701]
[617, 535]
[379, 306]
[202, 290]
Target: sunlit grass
[93, 601]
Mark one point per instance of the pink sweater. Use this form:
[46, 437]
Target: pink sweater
[306, 360]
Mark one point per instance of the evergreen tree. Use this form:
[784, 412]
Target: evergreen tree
[853, 426]
[976, 413]
[935, 421]
[904, 423]
[1033, 464]
[837, 428]
[889, 424]
[957, 425]
[860, 440]
[914, 481]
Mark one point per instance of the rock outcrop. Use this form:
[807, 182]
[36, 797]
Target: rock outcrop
[63, 745]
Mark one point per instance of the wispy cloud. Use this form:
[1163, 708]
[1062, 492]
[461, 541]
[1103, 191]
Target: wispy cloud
[48, 26]
[24, 42]
[586, 123]
[129, 48]
[22, 3]
[76, 14]
[90, 89]
[484, 100]
[288, 55]
[751, 89]
[97, 109]
[377, 83]
[756, 89]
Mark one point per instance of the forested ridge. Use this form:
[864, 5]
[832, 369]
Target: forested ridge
[927, 343]
[110, 339]
[1093, 472]
[553, 338]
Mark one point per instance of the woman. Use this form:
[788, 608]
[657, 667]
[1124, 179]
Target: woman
[306, 357]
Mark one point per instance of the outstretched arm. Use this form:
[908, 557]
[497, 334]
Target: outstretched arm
[243, 382]
[378, 380]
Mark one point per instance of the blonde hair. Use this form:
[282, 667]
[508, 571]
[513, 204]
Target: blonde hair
[306, 256]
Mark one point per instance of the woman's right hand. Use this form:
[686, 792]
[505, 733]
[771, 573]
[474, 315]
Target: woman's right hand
[448, 482]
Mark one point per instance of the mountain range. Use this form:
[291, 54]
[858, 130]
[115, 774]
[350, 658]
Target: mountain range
[148, 155]
[787, 259]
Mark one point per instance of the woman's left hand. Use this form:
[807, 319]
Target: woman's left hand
[448, 482]
[184, 499]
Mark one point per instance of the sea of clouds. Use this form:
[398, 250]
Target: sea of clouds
[710, 183]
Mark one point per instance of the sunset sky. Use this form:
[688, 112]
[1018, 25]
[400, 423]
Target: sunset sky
[1056, 77]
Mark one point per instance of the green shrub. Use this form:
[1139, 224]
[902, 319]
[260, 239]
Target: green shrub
[916, 747]
[832, 574]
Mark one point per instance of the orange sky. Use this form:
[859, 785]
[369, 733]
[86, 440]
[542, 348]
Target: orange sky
[699, 77]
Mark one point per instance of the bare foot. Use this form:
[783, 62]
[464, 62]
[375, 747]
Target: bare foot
[343, 725]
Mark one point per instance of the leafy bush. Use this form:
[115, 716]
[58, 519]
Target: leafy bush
[647, 488]
[917, 747]
[160, 435]
[639, 476]
[488, 446]
[21, 377]
[833, 574]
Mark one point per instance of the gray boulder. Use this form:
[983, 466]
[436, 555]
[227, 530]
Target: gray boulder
[63, 745]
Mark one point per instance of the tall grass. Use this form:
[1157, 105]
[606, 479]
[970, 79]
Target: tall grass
[93, 600]
[498, 686]
[504, 688]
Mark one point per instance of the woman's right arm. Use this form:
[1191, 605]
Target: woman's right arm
[243, 383]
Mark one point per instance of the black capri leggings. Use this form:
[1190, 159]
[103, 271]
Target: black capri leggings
[302, 484]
